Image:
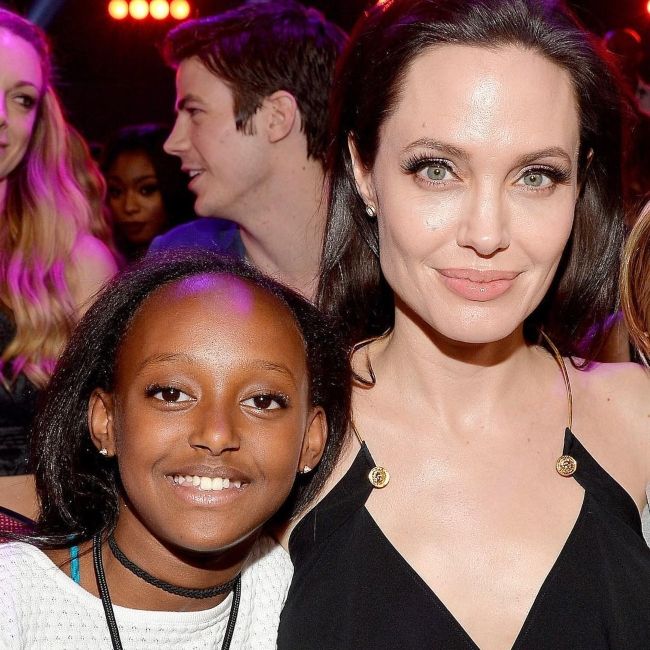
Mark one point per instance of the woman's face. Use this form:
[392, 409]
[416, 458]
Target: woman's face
[21, 86]
[210, 415]
[475, 183]
[134, 198]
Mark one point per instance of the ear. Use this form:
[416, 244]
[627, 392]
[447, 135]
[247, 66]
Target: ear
[362, 176]
[281, 114]
[100, 421]
[314, 441]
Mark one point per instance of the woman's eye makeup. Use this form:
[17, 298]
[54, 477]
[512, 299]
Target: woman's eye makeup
[434, 171]
[114, 192]
[439, 171]
[149, 189]
[267, 401]
[543, 177]
[26, 101]
[169, 394]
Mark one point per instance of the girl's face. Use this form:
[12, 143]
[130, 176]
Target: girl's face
[134, 198]
[475, 184]
[210, 417]
[21, 85]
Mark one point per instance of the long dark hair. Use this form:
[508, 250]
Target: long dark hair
[77, 488]
[383, 45]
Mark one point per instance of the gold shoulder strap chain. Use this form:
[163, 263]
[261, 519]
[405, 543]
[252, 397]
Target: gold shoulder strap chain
[565, 465]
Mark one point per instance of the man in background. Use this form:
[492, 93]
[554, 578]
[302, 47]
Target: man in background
[251, 130]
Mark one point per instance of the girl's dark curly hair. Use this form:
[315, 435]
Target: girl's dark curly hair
[77, 488]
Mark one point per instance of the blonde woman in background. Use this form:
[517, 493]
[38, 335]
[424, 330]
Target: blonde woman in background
[635, 299]
[50, 264]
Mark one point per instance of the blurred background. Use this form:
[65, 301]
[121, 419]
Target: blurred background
[110, 72]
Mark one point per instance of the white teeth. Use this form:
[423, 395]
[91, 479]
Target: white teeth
[194, 173]
[206, 483]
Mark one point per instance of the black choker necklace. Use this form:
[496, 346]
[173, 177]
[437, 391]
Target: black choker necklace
[105, 596]
[208, 592]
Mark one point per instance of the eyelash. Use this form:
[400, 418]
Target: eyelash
[148, 190]
[416, 164]
[26, 101]
[279, 398]
[153, 389]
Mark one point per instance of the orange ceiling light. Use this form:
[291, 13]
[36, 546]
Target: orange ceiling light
[118, 9]
[139, 9]
[159, 9]
[179, 9]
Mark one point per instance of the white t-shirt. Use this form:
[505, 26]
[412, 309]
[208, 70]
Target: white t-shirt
[42, 608]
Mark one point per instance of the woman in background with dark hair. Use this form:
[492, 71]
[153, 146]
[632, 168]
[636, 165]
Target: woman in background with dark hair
[147, 192]
[474, 238]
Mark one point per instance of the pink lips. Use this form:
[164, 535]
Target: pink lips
[478, 285]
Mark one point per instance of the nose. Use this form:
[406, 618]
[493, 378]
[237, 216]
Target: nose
[131, 203]
[176, 142]
[485, 225]
[215, 434]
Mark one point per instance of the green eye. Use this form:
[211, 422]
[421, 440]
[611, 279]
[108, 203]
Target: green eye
[436, 173]
[534, 180]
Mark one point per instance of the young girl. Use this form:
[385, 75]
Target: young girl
[194, 401]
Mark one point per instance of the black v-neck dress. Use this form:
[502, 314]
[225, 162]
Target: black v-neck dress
[352, 590]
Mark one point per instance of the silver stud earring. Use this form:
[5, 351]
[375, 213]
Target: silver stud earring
[306, 469]
[371, 212]
[103, 451]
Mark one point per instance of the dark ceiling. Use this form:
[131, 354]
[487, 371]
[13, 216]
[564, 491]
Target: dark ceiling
[110, 73]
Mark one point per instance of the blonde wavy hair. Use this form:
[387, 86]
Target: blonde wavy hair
[44, 214]
[635, 284]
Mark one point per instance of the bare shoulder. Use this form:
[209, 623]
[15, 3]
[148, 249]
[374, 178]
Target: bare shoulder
[92, 265]
[620, 388]
[612, 418]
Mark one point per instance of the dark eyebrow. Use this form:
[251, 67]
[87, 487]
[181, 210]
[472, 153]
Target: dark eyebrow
[18, 84]
[551, 152]
[274, 367]
[450, 149]
[442, 147]
[138, 179]
[155, 359]
[162, 358]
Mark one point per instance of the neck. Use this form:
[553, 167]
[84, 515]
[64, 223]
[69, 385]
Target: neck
[463, 384]
[179, 567]
[284, 236]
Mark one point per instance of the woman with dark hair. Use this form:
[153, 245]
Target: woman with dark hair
[196, 400]
[474, 239]
[147, 192]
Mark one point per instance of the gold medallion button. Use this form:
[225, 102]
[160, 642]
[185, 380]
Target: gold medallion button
[379, 477]
[566, 465]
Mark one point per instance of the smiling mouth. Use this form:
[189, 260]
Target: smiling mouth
[478, 285]
[206, 483]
